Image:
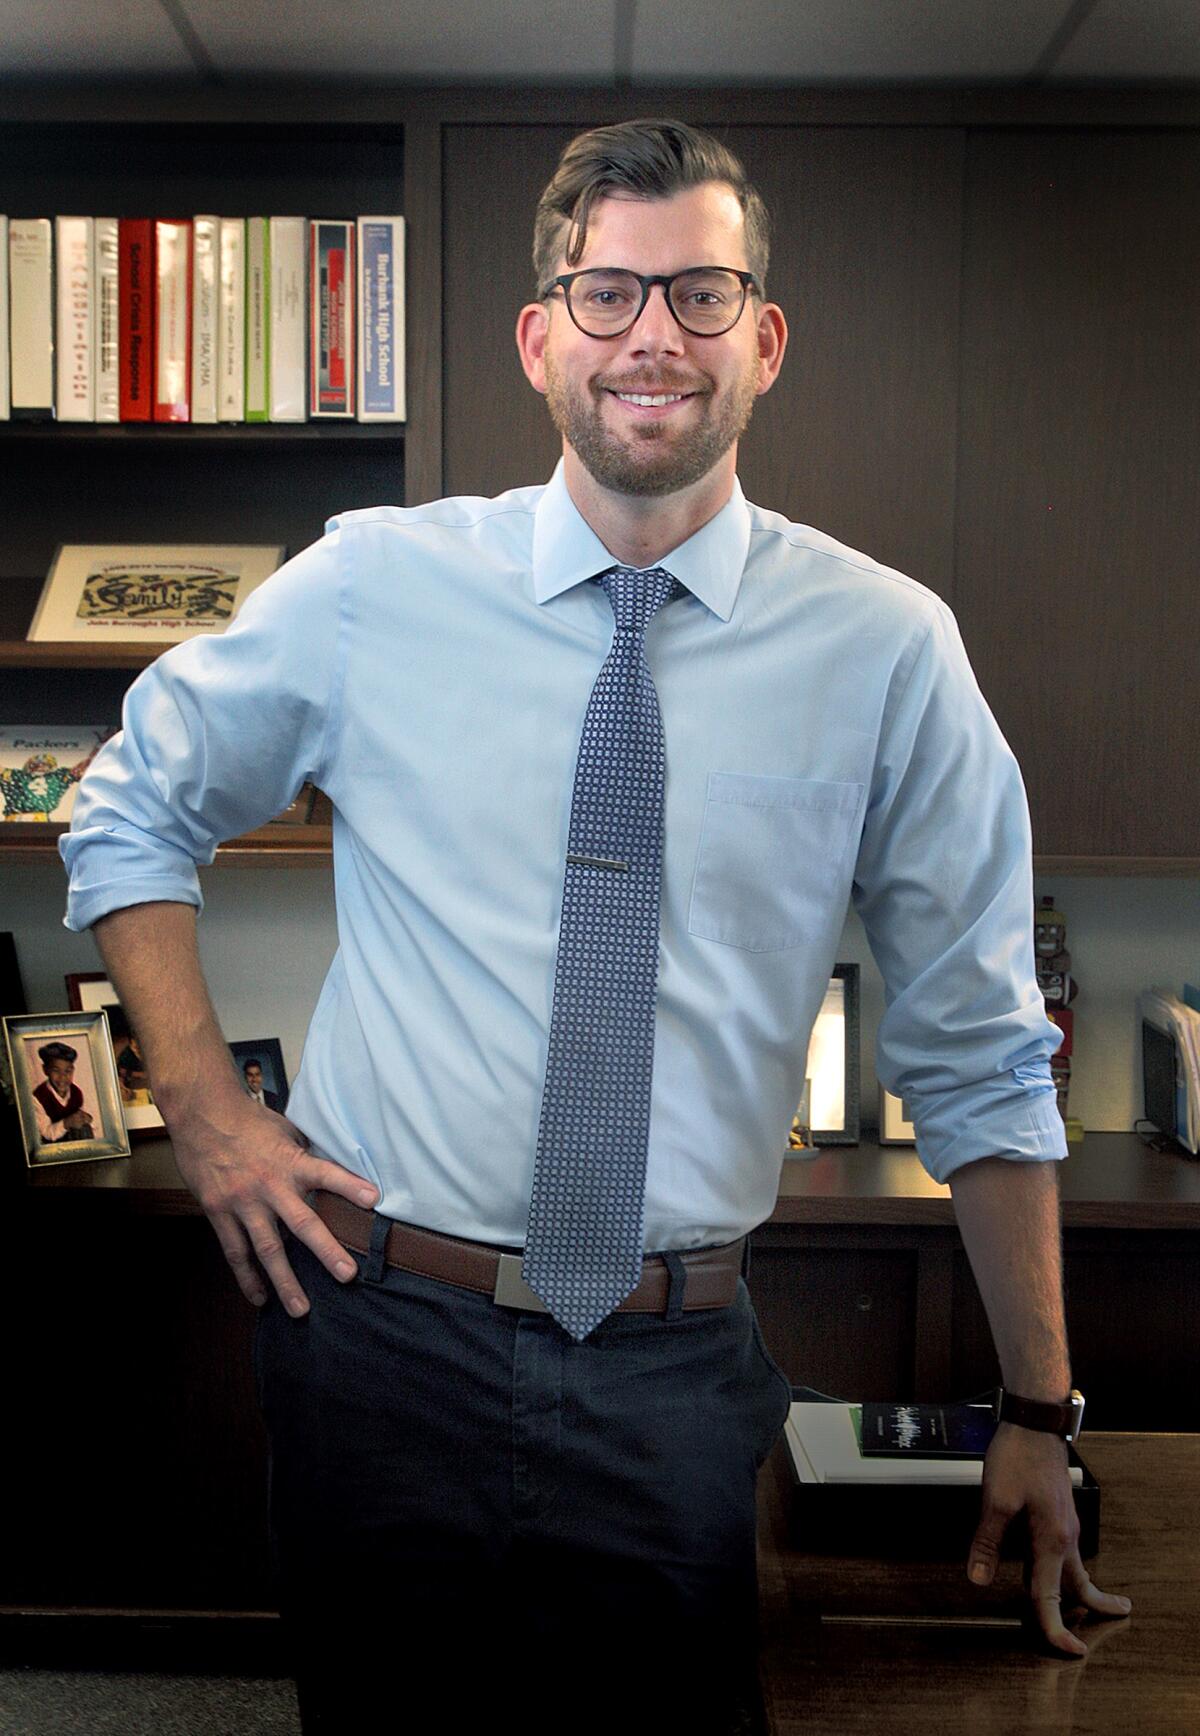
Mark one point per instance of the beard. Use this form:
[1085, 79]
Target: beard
[650, 459]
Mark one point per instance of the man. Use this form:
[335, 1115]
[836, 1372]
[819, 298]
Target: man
[58, 1101]
[253, 1073]
[633, 745]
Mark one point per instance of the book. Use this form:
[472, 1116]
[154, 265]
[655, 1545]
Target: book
[40, 768]
[206, 241]
[75, 320]
[258, 319]
[135, 300]
[4, 397]
[231, 331]
[172, 320]
[108, 322]
[926, 1431]
[31, 318]
[288, 319]
[381, 319]
[332, 296]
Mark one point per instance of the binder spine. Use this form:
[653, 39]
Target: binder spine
[288, 319]
[135, 342]
[231, 333]
[75, 320]
[205, 250]
[172, 321]
[381, 319]
[258, 330]
[332, 371]
[108, 383]
[31, 316]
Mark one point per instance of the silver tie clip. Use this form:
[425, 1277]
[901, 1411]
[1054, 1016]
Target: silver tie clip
[597, 861]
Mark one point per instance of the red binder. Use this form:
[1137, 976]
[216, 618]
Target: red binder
[135, 309]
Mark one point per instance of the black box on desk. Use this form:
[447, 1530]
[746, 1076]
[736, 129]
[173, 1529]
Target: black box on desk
[913, 1520]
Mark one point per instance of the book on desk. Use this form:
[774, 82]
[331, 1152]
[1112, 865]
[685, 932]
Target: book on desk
[923, 1500]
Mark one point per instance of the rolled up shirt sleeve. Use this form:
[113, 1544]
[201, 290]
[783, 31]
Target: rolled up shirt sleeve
[218, 735]
[944, 887]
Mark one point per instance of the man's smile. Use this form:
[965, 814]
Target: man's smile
[649, 406]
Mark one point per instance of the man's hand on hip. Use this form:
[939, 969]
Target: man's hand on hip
[250, 1169]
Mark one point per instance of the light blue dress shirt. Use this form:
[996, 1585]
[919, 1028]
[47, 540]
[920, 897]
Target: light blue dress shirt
[429, 668]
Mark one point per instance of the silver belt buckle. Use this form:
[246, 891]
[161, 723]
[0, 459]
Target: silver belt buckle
[511, 1289]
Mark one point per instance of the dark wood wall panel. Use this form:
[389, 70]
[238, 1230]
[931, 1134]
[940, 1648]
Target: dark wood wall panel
[496, 431]
[1078, 545]
[839, 1320]
[858, 435]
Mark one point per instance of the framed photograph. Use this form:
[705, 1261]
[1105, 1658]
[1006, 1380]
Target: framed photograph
[65, 1084]
[160, 593]
[90, 991]
[41, 765]
[828, 1110]
[260, 1064]
[895, 1128]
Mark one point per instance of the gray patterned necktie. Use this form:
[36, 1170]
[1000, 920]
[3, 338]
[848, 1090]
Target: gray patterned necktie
[583, 1246]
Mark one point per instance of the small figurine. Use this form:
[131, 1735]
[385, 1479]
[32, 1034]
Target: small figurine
[1059, 988]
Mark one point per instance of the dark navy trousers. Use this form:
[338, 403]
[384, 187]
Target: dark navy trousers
[474, 1517]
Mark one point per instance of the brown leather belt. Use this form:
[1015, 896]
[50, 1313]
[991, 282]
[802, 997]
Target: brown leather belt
[711, 1273]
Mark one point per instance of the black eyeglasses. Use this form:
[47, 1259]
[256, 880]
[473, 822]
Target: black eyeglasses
[706, 300]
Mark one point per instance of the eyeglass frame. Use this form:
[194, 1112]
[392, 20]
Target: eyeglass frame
[747, 280]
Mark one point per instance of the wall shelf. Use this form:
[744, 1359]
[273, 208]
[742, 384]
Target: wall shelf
[181, 433]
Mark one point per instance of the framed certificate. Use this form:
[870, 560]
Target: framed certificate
[159, 593]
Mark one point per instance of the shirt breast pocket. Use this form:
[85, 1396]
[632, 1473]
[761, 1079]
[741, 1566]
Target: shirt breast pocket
[770, 852]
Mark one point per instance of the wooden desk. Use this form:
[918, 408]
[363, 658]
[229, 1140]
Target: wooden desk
[861, 1646]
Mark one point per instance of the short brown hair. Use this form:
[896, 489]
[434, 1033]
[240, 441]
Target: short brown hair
[648, 159]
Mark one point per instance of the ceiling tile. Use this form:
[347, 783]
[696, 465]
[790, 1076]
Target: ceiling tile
[89, 39]
[1134, 40]
[505, 40]
[841, 41]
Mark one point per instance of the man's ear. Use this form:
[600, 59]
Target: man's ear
[533, 324]
[772, 334]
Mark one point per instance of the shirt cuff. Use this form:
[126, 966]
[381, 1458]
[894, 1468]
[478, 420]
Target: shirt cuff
[87, 904]
[998, 1117]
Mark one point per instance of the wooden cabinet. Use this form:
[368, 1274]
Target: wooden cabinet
[138, 1452]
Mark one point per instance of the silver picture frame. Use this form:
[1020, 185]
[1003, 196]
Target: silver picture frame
[92, 1076]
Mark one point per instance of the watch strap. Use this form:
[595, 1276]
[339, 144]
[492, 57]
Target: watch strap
[1054, 1419]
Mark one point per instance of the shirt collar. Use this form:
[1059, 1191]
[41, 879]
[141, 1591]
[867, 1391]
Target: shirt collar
[566, 550]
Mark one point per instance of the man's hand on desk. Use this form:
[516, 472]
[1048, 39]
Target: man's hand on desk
[1024, 1469]
[250, 1169]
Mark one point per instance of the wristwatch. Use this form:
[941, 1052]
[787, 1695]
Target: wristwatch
[1064, 1419]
